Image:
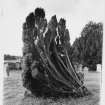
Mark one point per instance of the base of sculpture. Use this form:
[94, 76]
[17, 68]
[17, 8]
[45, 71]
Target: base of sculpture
[54, 94]
[39, 87]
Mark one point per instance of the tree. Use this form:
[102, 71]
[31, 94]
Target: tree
[88, 47]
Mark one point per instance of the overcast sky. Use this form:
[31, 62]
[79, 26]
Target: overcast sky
[76, 12]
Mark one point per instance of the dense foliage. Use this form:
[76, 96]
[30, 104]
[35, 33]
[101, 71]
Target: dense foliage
[87, 49]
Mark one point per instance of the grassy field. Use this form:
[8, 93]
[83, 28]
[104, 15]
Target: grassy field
[14, 92]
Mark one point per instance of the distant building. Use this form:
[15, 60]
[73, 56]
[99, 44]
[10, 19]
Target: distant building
[99, 67]
[13, 64]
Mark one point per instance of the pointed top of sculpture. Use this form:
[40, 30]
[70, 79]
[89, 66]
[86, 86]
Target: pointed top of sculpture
[53, 23]
[39, 13]
[62, 25]
[30, 20]
[54, 20]
[62, 22]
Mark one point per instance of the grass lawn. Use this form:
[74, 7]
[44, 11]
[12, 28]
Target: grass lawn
[14, 92]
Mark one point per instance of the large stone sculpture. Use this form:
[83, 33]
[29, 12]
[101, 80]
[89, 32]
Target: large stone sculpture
[47, 69]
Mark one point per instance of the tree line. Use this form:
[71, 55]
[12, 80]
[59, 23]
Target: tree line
[87, 49]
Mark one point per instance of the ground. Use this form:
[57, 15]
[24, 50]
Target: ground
[14, 92]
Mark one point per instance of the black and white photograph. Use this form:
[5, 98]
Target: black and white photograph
[52, 52]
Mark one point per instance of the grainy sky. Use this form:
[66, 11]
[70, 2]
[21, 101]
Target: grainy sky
[76, 12]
